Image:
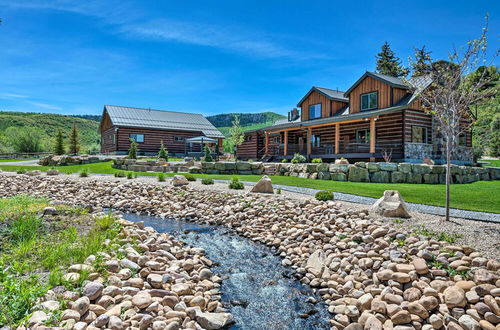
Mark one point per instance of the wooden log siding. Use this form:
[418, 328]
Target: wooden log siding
[108, 144]
[249, 149]
[416, 118]
[152, 139]
[328, 107]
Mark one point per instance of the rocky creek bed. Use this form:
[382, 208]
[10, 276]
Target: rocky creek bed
[258, 290]
[370, 274]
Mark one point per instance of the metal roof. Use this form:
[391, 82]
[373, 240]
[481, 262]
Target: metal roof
[200, 139]
[332, 94]
[393, 81]
[160, 119]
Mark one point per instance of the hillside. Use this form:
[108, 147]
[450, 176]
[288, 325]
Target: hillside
[249, 121]
[49, 124]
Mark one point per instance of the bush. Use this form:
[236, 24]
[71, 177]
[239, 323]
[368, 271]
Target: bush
[284, 160]
[131, 175]
[298, 158]
[25, 139]
[317, 160]
[324, 195]
[189, 177]
[161, 177]
[278, 191]
[163, 153]
[119, 174]
[208, 156]
[21, 171]
[132, 152]
[236, 184]
[207, 181]
[84, 173]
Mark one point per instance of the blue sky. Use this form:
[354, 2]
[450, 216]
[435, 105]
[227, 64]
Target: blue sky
[72, 57]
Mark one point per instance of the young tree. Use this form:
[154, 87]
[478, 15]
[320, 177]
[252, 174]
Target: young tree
[208, 156]
[163, 153]
[74, 141]
[388, 63]
[59, 143]
[420, 66]
[217, 150]
[25, 139]
[237, 136]
[450, 96]
[132, 152]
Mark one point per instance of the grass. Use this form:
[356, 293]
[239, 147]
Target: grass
[491, 162]
[477, 196]
[15, 160]
[34, 253]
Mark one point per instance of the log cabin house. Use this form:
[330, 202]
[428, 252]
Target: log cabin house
[149, 127]
[377, 116]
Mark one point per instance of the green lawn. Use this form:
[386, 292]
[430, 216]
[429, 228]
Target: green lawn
[15, 160]
[477, 196]
[491, 162]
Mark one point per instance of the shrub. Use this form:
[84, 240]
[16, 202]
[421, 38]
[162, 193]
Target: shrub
[84, 173]
[278, 191]
[132, 152]
[161, 177]
[284, 160]
[163, 153]
[119, 174]
[131, 175]
[324, 195]
[21, 171]
[106, 221]
[317, 160]
[208, 156]
[189, 177]
[25, 139]
[236, 184]
[207, 181]
[298, 158]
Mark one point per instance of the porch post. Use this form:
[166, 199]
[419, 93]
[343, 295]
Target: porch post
[309, 140]
[372, 138]
[266, 145]
[285, 152]
[337, 138]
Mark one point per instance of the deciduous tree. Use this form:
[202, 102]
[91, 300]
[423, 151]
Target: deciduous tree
[237, 135]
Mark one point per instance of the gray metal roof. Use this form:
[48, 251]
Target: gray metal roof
[332, 94]
[160, 119]
[393, 81]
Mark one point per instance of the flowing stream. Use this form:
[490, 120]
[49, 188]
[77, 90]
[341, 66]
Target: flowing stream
[256, 288]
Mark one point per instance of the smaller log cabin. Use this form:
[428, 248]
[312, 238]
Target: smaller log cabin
[376, 118]
[150, 127]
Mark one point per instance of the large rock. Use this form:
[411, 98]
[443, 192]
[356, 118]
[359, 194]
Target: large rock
[391, 205]
[179, 180]
[358, 174]
[263, 186]
[214, 320]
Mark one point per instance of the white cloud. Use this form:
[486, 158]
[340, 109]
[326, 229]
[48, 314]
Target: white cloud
[45, 105]
[12, 96]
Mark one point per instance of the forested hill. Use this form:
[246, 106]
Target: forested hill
[248, 121]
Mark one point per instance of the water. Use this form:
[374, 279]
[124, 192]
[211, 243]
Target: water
[257, 289]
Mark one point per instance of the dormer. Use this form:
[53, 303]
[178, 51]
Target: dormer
[375, 91]
[321, 103]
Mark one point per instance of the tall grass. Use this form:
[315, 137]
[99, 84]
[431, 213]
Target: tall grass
[25, 228]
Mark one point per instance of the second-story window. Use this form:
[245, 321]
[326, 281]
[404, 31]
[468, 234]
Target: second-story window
[369, 101]
[315, 111]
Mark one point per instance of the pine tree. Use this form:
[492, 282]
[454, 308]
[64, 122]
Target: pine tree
[208, 156]
[163, 153]
[74, 143]
[421, 64]
[59, 144]
[132, 152]
[388, 63]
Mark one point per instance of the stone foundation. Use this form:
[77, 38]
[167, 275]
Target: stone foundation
[389, 172]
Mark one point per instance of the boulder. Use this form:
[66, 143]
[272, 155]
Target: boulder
[380, 177]
[52, 172]
[358, 174]
[179, 180]
[214, 320]
[391, 205]
[263, 186]
[338, 176]
[342, 161]
[398, 177]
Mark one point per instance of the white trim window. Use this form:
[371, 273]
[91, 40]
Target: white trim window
[139, 138]
[315, 111]
[369, 101]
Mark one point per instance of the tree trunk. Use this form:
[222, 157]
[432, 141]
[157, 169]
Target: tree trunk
[448, 177]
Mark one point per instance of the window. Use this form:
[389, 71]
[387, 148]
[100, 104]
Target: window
[369, 101]
[178, 139]
[462, 139]
[316, 140]
[276, 139]
[315, 111]
[419, 134]
[248, 138]
[139, 138]
[363, 136]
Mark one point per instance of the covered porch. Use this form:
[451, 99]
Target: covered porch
[365, 138]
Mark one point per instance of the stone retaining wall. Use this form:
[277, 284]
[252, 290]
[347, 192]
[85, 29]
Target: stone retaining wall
[242, 168]
[63, 160]
[388, 172]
